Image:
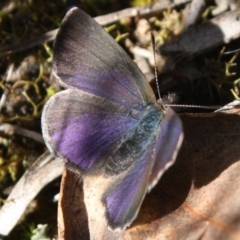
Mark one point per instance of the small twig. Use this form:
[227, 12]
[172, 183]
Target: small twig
[142, 57]
[223, 6]
[102, 20]
[195, 11]
[207, 35]
[46, 37]
[152, 9]
[11, 129]
[32, 182]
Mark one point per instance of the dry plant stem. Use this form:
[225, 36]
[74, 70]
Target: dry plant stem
[102, 20]
[46, 37]
[152, 9]
[218, 31]
[143, 64]
[43, 171]
[223, 6]
[11, 130]
[194, 12]
[141, 56]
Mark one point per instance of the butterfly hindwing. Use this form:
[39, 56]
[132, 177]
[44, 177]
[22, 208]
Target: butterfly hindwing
[124, 197]
[167, 145]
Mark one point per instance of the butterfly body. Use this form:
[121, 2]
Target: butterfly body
[107, 123]
[133, 146]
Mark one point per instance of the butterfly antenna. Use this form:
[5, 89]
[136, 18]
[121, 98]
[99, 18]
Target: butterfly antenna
[158, 88]
[155, 63]
[231, 52]
[193, 106]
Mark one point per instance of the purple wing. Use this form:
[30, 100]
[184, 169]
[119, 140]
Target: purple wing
[81, 128]
[87, 57]
[124, 198]
[167, 145]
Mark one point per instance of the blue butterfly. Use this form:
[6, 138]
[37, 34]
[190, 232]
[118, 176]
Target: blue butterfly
[108, 121]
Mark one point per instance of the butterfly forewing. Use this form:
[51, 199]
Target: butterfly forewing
[87, 57]
[82, 128]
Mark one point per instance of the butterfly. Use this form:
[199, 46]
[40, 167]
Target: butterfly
[107, 121]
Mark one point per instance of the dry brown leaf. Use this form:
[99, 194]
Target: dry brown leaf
[197, 198]
[31, 183]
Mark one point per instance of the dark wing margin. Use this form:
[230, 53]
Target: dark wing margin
[168, 143]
